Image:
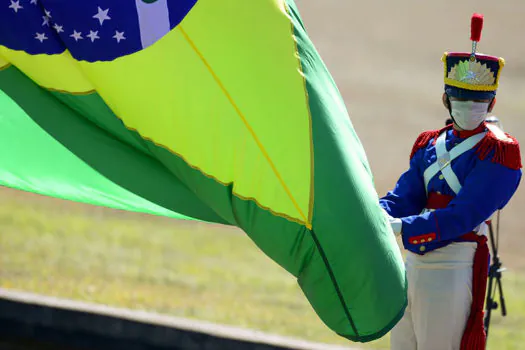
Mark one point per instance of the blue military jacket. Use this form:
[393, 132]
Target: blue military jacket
[489, 174]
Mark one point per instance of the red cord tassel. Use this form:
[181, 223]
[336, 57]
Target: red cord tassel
[474, 335]
[424, 138]
[506, 152]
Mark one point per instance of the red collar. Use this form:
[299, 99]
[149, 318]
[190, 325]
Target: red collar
[467, 133]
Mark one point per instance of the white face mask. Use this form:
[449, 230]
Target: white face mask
[468, 115]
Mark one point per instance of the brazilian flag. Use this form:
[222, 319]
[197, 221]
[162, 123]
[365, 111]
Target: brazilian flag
[219, 111]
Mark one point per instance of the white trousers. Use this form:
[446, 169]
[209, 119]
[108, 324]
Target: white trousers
[439, 299]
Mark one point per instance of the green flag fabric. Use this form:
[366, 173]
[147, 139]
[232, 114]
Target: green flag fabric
[222, 112]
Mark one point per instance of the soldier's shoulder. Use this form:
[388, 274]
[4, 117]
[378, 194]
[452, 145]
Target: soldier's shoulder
[424, 138]
[500, 147]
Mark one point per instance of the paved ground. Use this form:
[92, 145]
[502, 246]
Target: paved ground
[27, 319]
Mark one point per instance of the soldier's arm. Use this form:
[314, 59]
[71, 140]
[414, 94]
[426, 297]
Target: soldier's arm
[488, 188]
[409, 195]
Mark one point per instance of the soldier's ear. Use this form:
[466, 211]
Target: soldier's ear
[492, 104]
[446, 101]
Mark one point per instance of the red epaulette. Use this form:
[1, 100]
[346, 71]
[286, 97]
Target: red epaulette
[505, 148]
[424, 138]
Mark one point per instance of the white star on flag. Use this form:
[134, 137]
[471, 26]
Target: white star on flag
[93, 35]
[41, 37]
[102, 15]
[58, 28]
[131, 27]
[119, 36]
[15, 5]
[76, 35]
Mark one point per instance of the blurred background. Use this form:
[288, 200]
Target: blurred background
[385, 57]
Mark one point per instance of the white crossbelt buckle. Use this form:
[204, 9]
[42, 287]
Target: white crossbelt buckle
[444, 160]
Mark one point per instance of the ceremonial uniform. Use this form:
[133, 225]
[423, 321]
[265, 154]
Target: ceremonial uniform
[457, 179]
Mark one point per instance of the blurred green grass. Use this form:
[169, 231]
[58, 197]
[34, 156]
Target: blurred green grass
[186, 269]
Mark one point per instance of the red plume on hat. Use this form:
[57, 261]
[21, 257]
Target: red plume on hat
[476, 25]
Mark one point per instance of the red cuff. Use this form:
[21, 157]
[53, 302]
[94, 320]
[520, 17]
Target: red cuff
[429, 237]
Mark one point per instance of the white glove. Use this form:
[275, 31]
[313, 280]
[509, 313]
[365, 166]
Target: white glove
[395, 223]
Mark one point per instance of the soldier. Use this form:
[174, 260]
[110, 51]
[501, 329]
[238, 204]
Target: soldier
[458, 177]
